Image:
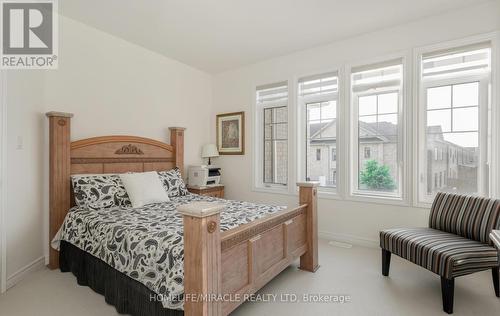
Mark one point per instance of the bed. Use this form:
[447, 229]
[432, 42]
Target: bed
[193, 255]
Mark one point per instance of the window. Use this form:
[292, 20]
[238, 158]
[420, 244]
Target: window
[454, 86]
[272, 113]
[376, 94]
[367, 152]
[451, 144]
[317, 97]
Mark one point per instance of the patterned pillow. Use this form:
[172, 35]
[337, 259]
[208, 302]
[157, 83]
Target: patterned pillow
[99, 191]
[173, 183]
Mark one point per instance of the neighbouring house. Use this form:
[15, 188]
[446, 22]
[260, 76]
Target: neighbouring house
[375, 143]
[449, 165]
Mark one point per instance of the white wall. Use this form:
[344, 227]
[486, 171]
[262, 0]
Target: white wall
[24, 201]
[234, 91]
[112, 87]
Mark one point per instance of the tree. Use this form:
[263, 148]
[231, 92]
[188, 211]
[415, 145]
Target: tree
[377, 177]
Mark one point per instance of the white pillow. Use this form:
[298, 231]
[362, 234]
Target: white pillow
[144, 188]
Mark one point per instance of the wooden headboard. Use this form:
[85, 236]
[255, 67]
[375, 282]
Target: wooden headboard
[106, 154]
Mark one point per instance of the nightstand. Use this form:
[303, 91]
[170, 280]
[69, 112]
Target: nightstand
[214, 191]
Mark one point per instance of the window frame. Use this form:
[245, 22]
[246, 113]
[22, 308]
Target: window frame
[355, 145]
[258, 141]
[404, 125]
[318, 154]
[329, 192]
[367, 152]
[272, 140]
[483, 82]
[494, 110]
[411, 113]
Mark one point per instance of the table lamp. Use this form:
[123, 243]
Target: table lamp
[209, 151]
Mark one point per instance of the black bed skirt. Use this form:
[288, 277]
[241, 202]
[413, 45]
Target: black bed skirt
[127, 295]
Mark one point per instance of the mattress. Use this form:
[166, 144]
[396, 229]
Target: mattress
[146, 244]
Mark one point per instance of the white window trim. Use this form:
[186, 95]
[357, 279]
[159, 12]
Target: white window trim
[495, 114]
[351, 149]
[355, 147]
[419, 110]
[299, 127]
[257, 144]
[411, 90]
[302, 148]
[483, 117]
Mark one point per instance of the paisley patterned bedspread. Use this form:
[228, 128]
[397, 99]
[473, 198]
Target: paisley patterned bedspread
[146, 243]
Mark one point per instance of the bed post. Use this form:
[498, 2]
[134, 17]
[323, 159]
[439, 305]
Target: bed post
[59, 175]
[177, 140]
[308, 195]
[202, 258]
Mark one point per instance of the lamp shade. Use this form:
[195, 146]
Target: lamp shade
[209, 150]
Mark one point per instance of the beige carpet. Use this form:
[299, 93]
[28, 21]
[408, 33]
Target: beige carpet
[355, 272]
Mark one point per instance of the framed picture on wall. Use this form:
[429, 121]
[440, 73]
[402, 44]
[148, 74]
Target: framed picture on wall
[231, 133]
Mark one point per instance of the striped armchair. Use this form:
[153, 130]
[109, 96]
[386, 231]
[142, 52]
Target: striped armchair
[456, 242]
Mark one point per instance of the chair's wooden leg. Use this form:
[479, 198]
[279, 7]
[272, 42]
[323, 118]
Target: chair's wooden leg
[447, 289]
[386, 262]
[496, 280]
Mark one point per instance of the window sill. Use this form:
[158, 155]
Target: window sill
[334, 195]
[378, 199]
[325, 195]
[328, 194]
[423, 204]
[271, 190]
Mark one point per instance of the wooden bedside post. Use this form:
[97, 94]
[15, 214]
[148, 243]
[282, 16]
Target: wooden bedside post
[59, 182]
[308, 194]
[202, 258]
[177, 140]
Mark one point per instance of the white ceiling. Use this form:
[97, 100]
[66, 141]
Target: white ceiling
[218, 35]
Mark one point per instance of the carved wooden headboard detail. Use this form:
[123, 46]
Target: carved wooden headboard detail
[106, 154]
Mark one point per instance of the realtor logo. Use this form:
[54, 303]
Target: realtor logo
[29, 34]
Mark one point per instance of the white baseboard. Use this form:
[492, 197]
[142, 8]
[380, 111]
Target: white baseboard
[350, 239]
[15, 278]
[41, 262]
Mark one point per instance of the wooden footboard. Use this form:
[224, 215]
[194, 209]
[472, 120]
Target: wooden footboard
[222, 269]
